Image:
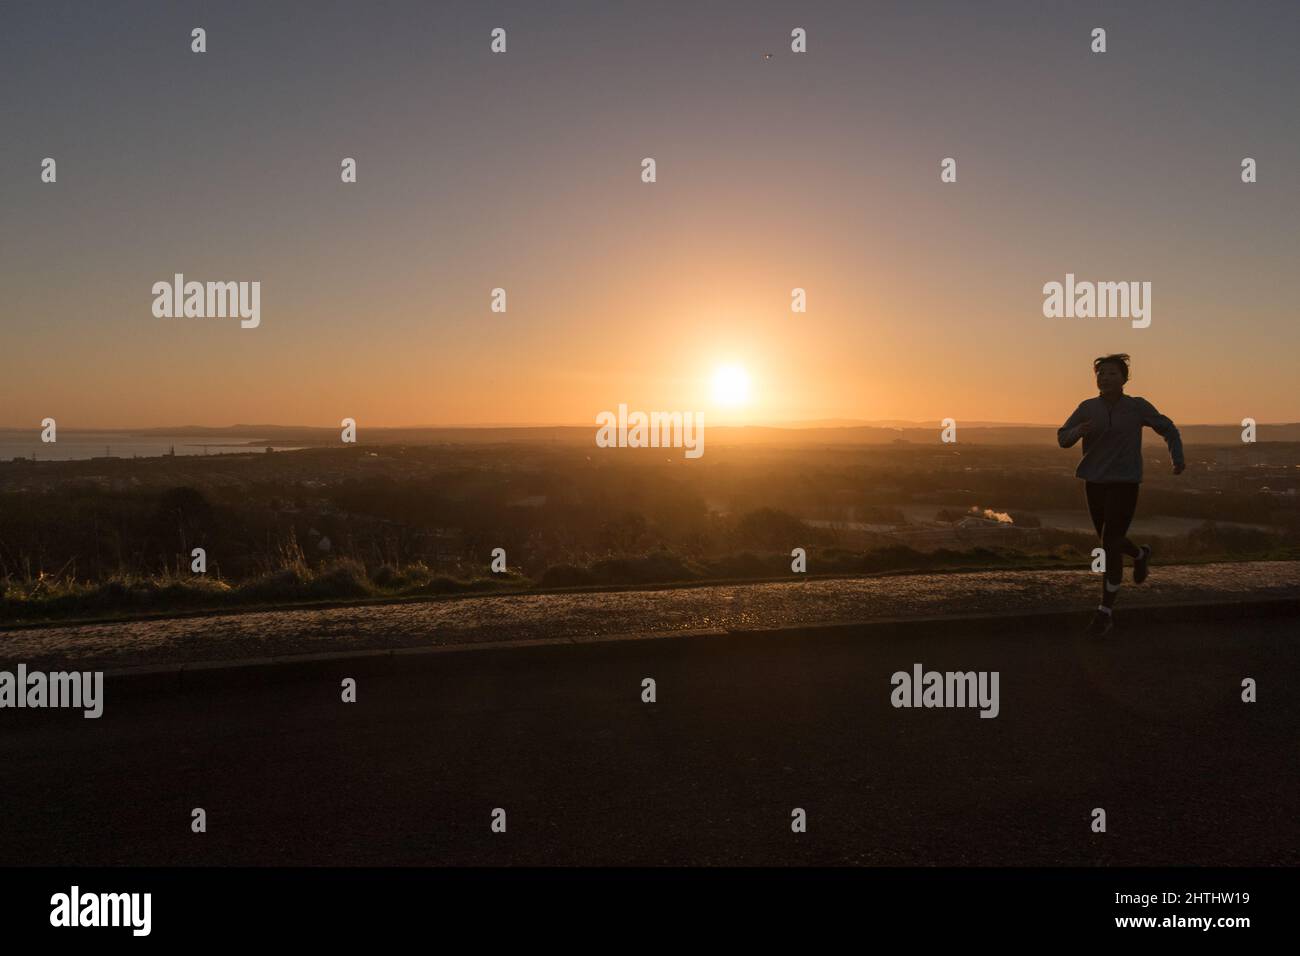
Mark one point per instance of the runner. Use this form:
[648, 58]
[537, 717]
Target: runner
[1111, 428]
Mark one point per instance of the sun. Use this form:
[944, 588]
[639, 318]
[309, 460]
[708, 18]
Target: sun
[731, 386]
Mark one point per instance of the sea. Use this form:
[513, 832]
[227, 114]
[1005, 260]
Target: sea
[80, 446]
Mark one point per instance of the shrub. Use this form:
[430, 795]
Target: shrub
[746, 564]
[344, 578]
[286, 584]
[567, 576]
[770, 528]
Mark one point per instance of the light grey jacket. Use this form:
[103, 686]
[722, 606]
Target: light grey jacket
[1113, 451]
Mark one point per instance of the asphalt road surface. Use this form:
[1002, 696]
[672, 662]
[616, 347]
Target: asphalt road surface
[1149, 725]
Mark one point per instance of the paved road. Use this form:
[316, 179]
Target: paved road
[1149, 726]
[585, 615]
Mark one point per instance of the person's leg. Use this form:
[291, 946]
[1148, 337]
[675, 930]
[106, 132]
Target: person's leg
[1096, 494]
[1142, 560]
[1123, 505]
[1120, 503]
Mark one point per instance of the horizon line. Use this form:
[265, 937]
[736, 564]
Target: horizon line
[886, 424]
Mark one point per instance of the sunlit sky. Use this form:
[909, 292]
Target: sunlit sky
[522, 170]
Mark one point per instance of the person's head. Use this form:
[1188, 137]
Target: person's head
[1111, 372]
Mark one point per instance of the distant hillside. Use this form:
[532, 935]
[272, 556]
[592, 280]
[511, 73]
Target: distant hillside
[990, 433]
[897, 423]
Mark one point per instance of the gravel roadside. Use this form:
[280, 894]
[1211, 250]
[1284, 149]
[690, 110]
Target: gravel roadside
[587, 614]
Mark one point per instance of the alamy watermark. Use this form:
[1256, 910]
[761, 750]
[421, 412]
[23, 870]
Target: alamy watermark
[948, 689]
[651, 430]
[1102, 300]
[211, 300]
[76, 908]
[76, 689]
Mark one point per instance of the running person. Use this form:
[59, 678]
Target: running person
[1111, 428]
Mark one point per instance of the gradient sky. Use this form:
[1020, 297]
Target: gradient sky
[522, 170]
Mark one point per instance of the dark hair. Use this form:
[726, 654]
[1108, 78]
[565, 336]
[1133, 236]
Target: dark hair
[1119, 358]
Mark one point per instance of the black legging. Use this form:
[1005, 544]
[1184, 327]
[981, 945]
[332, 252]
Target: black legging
[1111, 506]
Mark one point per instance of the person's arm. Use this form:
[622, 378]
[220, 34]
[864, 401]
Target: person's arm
[1166, 429]
[1069, 433]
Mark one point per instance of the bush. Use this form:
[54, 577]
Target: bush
[1212, 538]
[442, 584]
[567, 576]
[286, 584]
[746, 564]
[344, 578]
[896, 557]
[769, 528]
[195, 590]
[835, 561]
[411, 577]
[387, 576]
[660, 566]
